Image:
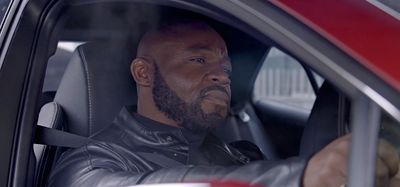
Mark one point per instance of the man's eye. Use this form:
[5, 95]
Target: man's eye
[228, 72]
[198, 60]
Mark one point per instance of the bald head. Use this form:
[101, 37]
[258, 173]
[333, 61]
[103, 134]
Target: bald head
[182, 74]
[152, 41]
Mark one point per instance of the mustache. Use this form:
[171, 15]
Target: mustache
[214, 87]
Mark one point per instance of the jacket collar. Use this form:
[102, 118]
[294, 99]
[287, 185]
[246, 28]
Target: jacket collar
[154, 133]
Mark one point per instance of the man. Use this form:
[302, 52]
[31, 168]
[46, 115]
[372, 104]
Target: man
[182, 73]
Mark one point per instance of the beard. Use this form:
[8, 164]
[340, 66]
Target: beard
[187, 115]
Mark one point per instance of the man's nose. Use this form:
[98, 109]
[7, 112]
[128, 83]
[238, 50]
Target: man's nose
[219, 75]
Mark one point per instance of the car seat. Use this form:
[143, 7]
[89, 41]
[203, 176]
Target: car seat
[95, 86]
[328, 120]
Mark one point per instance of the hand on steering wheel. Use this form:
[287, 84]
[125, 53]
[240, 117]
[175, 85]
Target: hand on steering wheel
[329, 166]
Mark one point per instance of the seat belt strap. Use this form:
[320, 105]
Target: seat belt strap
[248, 117]
[55, 137]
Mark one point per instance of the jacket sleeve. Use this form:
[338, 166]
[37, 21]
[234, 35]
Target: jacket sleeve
[92, 166]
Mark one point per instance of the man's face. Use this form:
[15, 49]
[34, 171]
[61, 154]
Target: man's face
[191, 78]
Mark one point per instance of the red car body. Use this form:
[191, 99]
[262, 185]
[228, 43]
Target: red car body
[360, 28]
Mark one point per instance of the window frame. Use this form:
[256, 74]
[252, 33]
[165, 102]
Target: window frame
[8, 25]
[365, 130]
[24, 55]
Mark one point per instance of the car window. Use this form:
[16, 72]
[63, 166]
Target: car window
[3, 9]
[284, 80]
[390, 132]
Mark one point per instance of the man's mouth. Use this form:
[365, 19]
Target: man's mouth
[217, 96]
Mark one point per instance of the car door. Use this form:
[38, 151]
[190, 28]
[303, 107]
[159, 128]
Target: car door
[22, 62]
[368, 93]
[27, 44]
[8, 103]
[345, 72]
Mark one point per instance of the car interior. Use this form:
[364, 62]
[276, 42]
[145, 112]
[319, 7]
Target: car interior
[86, 85]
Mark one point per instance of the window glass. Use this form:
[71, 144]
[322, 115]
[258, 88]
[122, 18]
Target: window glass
[284, 80]
[390, 132]
[318, 79]
[3, 9]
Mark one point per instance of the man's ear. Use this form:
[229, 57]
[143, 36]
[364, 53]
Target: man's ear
[142, 72]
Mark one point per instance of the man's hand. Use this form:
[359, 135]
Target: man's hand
[329, 166]
[395, 181]
[387, 165]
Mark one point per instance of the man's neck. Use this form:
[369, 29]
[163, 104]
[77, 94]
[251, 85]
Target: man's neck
[158, 116]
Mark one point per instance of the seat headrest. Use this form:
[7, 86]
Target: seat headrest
[95, 86]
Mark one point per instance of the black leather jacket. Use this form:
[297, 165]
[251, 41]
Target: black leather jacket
[127, 153]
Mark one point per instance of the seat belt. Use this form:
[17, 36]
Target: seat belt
[247, 116]
[55, 137]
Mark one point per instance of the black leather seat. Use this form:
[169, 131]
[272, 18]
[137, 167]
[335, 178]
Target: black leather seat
[327, 121]
[95, 86]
